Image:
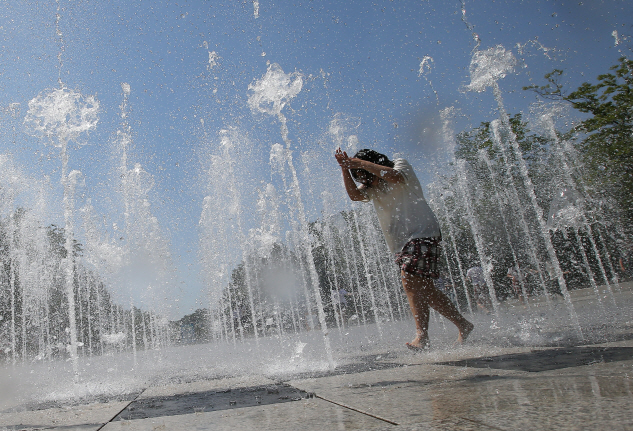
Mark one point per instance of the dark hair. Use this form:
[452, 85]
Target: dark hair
[361, 175]
[374, 157]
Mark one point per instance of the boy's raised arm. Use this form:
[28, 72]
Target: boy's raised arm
[352, 189]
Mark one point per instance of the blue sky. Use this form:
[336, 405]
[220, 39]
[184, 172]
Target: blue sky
[359, 60]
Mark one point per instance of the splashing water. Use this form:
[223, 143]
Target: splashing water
[486, 67]
[63, 114]
[274, 90]
[341, 249]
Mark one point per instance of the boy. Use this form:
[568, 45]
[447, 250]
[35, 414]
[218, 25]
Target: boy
[411, 232]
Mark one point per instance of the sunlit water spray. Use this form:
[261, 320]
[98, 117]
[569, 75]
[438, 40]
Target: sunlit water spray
[270, 95]
[482, 252]
[425, 71]
[574, 201]
[437, 200]
[62, 116]
[486, 68]
[484, 157]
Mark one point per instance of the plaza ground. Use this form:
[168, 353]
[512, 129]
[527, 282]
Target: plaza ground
[563, 385]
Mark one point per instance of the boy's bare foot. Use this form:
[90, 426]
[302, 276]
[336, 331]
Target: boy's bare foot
[419, 343]
[417, 349]
[464, 332]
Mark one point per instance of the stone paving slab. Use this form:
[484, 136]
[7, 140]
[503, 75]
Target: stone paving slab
[514, 389]
[309, 414]
[565, 396]
[612, 415]
[85, 427]
[405, 395]
[85, 417]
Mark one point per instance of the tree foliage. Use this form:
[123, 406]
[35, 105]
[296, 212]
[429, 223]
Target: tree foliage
[470, 142]
[34, 318]
[606, 143]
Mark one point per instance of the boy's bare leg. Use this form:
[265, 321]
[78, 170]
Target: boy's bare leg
[421, 292]
[420, 309]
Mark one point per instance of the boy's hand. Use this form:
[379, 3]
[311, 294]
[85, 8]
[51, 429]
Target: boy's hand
[344, 160]
[341, 158]
[346, 163]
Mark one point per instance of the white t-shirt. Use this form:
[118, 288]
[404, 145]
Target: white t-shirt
[402, 210]
[476, 275]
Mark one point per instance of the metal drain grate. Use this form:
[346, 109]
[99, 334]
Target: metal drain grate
[210, 401]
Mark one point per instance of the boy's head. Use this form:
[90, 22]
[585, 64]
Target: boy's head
[361, 175]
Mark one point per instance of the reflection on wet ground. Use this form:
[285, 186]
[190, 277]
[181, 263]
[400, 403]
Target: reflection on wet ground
[577, 401]
[574, 387]
[552, 359]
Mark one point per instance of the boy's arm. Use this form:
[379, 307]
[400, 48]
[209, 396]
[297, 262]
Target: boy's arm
[385, 172]
[353, 191]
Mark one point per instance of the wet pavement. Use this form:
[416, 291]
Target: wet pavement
[576, 387]
[566, 387]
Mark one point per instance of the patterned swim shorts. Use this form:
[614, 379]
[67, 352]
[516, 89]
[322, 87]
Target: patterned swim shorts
[420, 257]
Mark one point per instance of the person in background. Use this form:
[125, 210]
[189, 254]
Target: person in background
[625, 262]
[480, 290]
[411, 232]
[553, 285]
[339, 302]
[514, 273]
[443, 282]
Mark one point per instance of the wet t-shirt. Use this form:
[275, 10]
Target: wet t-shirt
[476, 275]
[402, 210]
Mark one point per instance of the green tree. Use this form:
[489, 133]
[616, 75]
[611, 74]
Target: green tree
[606, 145]
[533, 147]
[194, 327]
[495, 189]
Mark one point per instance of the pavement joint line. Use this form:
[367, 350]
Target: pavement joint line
[119, 412]
[481, 423]
[357, 410]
